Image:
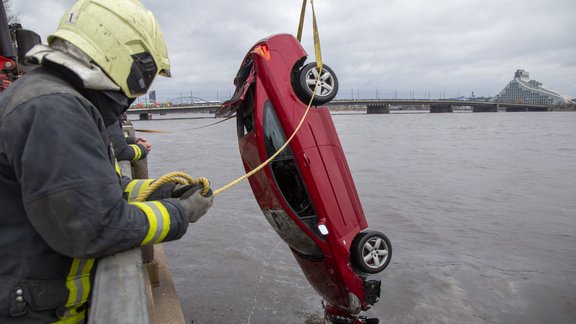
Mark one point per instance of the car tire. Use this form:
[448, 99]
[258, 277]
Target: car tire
[306, 83]
[371, 251]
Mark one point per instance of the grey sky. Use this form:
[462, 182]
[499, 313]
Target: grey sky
[384, 47]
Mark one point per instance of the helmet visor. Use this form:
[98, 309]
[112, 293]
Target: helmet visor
[142, 73]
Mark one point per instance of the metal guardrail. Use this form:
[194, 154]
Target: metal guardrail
[121, 290]
[135, 286]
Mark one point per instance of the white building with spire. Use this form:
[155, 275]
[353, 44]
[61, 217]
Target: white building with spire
[523, 90]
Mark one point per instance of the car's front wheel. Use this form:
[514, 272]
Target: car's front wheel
[323, 84]
[371, 251]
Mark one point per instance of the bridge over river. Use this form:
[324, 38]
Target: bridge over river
[372, 106]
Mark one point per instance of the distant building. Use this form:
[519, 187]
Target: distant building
[524, 90]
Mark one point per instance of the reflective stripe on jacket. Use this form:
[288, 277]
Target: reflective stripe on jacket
[124, 148]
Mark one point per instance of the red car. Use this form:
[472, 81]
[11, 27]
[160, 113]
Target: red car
[307, 192]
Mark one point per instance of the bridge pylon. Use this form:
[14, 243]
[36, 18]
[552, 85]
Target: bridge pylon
[441, 108]
[379, 108]
[485, 108]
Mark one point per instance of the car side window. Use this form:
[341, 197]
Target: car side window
[284, 168]
[273, 134]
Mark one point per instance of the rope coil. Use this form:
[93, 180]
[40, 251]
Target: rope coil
[174, 177]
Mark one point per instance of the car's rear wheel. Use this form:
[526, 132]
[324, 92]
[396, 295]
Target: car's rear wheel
[306, 81]
[371, 251]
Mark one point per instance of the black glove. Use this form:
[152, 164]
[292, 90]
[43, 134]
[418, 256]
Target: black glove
[193, 202]
[180, 189]
[165, 191]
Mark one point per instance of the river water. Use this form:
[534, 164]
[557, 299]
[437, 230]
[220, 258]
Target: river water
[480, 209]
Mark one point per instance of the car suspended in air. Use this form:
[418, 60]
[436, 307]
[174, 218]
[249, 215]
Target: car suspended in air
[306, 192]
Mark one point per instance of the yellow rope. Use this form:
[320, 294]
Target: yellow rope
[301, 23]
[317, 51]
[183, 178]
[258, 168]
[174, 177]
[212, 124]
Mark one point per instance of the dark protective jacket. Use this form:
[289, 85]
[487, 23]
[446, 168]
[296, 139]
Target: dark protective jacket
[124, 146]
[61, 201]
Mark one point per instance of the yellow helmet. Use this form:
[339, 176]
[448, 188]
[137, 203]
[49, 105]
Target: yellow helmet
[122, 37]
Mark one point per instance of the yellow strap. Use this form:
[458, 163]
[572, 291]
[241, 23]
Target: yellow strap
[317, 51]
[301, 24]
[316, 36]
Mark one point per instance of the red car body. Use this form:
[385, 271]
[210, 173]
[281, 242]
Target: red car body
[307, 192]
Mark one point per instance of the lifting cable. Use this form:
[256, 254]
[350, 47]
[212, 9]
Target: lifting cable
[211, 124]
[184, 130]
[184, 179]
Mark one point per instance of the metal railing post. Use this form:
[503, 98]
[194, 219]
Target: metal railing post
[139, 170]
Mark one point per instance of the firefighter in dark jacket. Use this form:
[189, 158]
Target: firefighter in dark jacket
[61, 197]
[127, 148]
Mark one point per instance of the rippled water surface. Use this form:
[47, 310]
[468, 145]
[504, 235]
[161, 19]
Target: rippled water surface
[480, 209]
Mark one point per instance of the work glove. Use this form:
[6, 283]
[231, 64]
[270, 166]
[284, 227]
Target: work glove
[164, 191]
[170, 190]
[195, 204]
[179, 189]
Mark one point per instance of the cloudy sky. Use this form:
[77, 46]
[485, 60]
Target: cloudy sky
[378, 48]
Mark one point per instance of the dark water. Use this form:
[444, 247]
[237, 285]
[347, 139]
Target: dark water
[480, 209]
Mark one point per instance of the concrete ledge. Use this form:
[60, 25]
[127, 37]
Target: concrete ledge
[167, 307]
